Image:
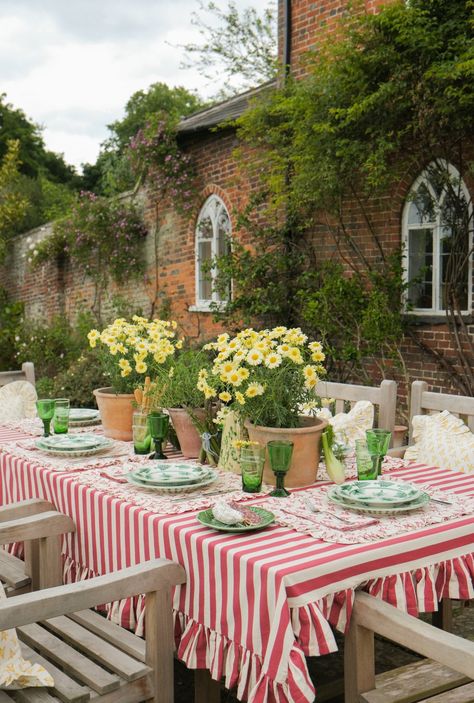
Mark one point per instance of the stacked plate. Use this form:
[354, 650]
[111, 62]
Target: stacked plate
[82, 417]
[171, 477]
[379, 497]
[66, 445]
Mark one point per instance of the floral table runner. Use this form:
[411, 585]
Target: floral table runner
[358, 528]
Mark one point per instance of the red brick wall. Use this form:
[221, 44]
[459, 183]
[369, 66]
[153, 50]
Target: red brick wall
[170, 279]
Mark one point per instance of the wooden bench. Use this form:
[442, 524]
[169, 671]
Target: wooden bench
[89, 657]
[26, 373]
[446, 677]
[40, 526]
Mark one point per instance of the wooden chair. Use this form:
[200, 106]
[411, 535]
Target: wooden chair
[423, 401]
[26, 373]
[445, 678]
[383, 397]
[40, 526]
[89, 657]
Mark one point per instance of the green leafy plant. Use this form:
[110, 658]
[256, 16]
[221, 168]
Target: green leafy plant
[11, 322]
[176, 384]
[104, 237]
[75, 382]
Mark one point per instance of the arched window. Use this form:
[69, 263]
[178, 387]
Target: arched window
[213, 231]
[437, 238]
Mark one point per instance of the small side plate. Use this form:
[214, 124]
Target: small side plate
[207, 518]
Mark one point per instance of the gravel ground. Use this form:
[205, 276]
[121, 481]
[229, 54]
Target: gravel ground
[330, 667]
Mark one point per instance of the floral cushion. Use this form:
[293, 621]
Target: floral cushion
[352, 425]
[17, 401]
[442, 440]
[16, 672]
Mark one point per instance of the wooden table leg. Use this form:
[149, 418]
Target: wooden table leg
[206, 690]
[443, 617]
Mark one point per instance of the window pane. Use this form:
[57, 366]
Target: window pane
[420, 267]
[454, 268]
[422, 208]
[204, 228]
[205, 285]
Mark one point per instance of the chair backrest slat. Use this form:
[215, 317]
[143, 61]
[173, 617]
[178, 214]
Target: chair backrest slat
[26, 373]
[384, 397]
[423, 401]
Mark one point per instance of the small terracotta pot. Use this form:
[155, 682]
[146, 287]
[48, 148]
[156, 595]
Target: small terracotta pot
[399, 435]
[188, 436]
[306, 449]
[116, 411]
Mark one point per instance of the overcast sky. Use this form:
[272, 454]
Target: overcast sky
[71, 65]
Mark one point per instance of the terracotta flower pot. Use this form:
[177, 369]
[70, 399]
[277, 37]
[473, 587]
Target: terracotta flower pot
[116, 412]
[188, 436]
[306, 448]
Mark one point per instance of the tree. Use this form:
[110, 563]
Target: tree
[13, 204]
[111, 174]
[240, 48]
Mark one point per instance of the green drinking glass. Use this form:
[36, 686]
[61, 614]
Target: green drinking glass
[45, 408]
[378, 441]
[280, 453]
[61, 416]
[252, 460]
[158, 424]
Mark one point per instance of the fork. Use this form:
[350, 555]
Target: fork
[313, 509]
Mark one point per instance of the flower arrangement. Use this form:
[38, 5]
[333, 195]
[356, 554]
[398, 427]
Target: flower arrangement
[269, 377]
[130, 351]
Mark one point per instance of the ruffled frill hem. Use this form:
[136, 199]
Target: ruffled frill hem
[199, 647]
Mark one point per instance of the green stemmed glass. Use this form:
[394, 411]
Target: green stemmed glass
[377, 443]
[279, 454]
[45, 408]
[158, 424]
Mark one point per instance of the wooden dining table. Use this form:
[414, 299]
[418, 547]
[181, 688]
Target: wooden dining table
[256, 604]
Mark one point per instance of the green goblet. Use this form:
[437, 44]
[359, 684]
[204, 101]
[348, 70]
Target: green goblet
[158, 424]
[280, 453]
[45, 408]
[377, 443]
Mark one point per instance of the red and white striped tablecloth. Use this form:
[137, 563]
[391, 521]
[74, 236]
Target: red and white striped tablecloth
[255, 605]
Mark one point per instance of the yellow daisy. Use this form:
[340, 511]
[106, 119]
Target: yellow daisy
[240, 398]
[225, 396]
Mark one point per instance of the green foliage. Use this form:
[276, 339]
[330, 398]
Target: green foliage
[154, 153]
[52, 346]
[104, 237]
[176, 384]
[112, 173]
[75, 382]
[13, 204]
[11, 320]
[238, 47]
[355, 316]
[394, 92]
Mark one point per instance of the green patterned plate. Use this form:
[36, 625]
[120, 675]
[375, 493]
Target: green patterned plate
[74, 444]
[378, 494]
[185, 488]
[82, 417]
[207, 518]
[170, 473]
[422, 500]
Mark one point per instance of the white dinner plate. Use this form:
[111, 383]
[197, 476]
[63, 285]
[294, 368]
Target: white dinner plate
[378, 494]
[173, 489]
[422, 500]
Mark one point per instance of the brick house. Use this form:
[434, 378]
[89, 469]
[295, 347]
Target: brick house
[176, 247]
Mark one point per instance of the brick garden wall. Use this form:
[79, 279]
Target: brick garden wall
[169, 283]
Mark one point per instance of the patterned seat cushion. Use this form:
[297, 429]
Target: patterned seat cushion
[16, 672]
[442, 440]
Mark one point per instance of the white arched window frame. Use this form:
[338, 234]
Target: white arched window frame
[426, 240]
[213, 236]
